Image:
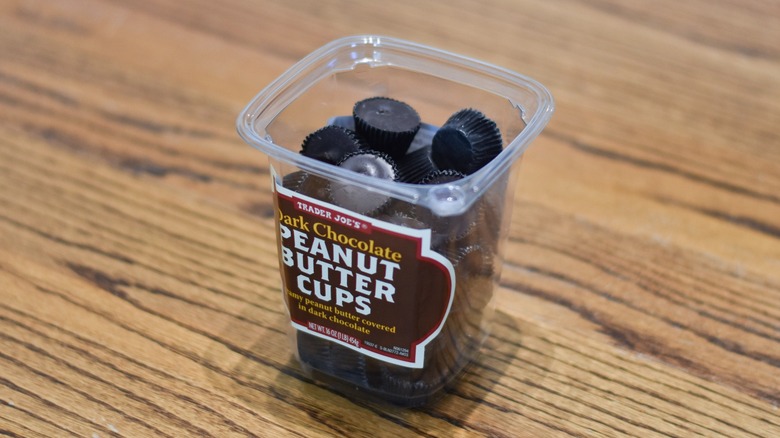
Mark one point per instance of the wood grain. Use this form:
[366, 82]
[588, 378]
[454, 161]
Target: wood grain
[138, 277]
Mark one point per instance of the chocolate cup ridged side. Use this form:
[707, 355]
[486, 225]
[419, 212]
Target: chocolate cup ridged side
[416, 383]
[392, 170]
[332, 359]
[491, 216]
[483, 133]
[315, 352]
[451, 150]
[485, 155]
[470, 135]
[483, 234]
[405, 389]
[473, 259]
[307, 184]
[394, 144]
[330, 144]
[477, 125]
[315, 187]
[388, 125]
[442, 176]
[414, 166]
[349, 365]
[294, 180]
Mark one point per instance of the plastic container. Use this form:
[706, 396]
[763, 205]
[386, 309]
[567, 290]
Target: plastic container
[393, 302]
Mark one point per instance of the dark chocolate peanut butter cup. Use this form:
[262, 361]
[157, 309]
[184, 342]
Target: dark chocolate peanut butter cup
[330, 144]
[388, 125]
[294, 180]
[358, 198]
[307, 184]
[466, 142]
[414, 166]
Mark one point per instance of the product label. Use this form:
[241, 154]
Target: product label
[366, 284]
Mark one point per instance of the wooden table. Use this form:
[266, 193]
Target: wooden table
[139, 289]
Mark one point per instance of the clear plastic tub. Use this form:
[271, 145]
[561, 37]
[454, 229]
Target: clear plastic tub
[393, 302]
